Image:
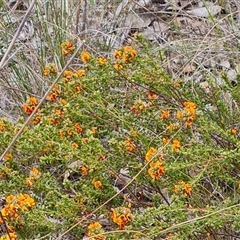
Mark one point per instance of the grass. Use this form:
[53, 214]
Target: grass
[103, 139]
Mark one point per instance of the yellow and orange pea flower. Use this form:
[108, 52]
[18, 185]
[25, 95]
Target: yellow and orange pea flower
[74, 145]
[8, 156]
[102, 60]
[129, 145]
[150, 154]
[176, 145]
[165, 114]
[84, 171]
[118, 66]
[190, 107]
[67, 47]
[11, 235]
[30, 105]
[234, 131]
[97, 184]
[51, 68]
[117, 54]
[80, 73]
[121, 216]
[15, 204]
[156, 169]
[85, 56]
[95, 228]
[152, 95]
[183, 188]
[2, 127]
[78, 128]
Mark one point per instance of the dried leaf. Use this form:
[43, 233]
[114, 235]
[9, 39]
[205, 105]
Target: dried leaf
[189, 68]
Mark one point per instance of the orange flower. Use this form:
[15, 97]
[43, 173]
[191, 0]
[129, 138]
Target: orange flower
[128, 54]
[84, 171]
[94, 130]
[156, 169]
[234, 131]
[53, 96]
[51, 68]
[80, 73]
[61, 133]
[29, 181]
[63, 101]
[85, 56]
[94, 225]
[152, 95]
[129, 145]
[189, 121]
[187, 189]
[9, 236]
[78, 128]
[102, 60]
[170, 126]
[95, 228]
[8, 156]
[117, 54]
[74, 145]
[32, 100]
[190, 107]
[183, 188]
[67, 73]
[165, 140]
[121, 216]
[165, 114]
[78, 88]
[176, 144]
[150, 154]
[118, 66]
[2, 126]
[67, 47]
[35, 173]
[69, 132]
[179, 115]
[97, 184]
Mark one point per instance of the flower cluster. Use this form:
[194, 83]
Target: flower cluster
[97, 184]
[176, 145]
[67, 47]
[30, 105]
[165, 114]
[49, 69]
[10, 235]
[85, 56]
[129, 145]
[183, 188]
[156, 169]
[121, 216]
[139, 106]
[15, 205]
[126, 53]
[54, 93]
[188, 113]
[150, 154]
[95, 228]
[33, 176]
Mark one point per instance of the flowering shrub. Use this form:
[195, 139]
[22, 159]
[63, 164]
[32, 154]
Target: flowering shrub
[119, 131]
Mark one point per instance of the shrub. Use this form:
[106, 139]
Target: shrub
[121, 150]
